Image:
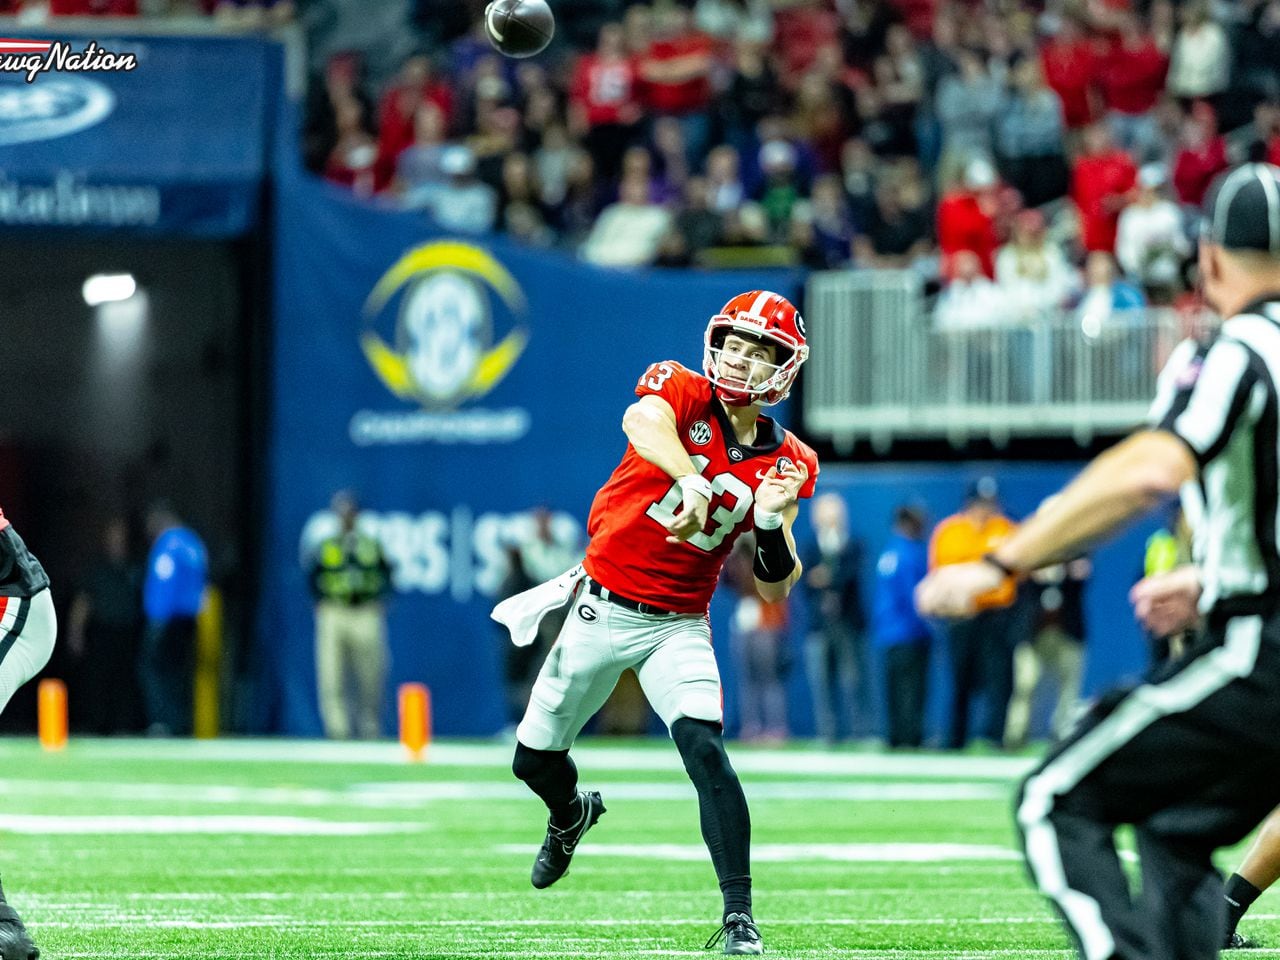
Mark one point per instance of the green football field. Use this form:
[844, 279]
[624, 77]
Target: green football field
[288, 849]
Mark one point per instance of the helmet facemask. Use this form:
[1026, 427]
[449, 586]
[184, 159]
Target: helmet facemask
[767, 389]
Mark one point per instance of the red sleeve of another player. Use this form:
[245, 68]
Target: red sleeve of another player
[674, 383]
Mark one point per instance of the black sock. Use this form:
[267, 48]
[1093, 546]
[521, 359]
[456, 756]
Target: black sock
[553, 777]
[1240, 896]
[722, 808]
[568, 815]
[737, 895]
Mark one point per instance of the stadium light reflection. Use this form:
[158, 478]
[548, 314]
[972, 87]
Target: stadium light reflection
[108, 288]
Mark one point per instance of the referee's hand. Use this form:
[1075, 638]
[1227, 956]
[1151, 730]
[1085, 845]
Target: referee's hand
[951, 591]
[1167, 603]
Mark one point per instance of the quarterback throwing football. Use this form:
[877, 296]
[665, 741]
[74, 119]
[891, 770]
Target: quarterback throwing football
[703, 466]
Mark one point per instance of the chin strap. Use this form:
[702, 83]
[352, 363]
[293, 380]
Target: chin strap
[733, 398]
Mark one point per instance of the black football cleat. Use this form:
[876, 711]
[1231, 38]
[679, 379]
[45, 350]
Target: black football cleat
[557, 848]
[1236, 941]
[740, 934]
[15, 942]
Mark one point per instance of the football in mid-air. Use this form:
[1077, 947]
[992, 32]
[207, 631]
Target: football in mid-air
[519, 28]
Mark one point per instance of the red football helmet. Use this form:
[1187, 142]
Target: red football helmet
[769, 318]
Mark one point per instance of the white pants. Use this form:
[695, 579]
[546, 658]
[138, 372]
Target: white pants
[28, 626]
[671, 655]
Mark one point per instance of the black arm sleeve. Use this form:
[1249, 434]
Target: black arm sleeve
[774, 560]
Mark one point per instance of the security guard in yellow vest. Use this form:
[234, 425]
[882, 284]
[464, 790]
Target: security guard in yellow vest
[350, 579]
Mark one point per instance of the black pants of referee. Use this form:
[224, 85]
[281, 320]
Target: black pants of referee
[1191, 759]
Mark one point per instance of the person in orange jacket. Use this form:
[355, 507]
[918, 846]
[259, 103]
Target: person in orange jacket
[980, 647]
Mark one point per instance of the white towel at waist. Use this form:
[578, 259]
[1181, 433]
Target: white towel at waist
[522, 613]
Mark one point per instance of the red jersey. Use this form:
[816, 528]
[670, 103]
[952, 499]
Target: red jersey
[604, 88]
[964, 223]
[628, 553]
[1070, 70]
[1098, 186]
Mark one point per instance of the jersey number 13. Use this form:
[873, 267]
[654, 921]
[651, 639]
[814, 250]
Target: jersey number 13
[724, 517]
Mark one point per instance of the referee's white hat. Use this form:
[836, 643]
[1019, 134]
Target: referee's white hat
[1243, 209]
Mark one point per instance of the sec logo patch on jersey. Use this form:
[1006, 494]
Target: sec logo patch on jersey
[700, 433]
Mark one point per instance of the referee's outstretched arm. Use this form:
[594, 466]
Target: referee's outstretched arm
[1130, 479]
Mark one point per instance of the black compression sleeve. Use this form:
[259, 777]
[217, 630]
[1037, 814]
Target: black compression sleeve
[774, 560]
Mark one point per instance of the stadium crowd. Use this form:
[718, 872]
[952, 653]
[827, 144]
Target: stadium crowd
[232, 12]
[903, 133]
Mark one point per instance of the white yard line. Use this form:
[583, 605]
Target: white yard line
[799, 852]
[599, 755]
[414, 794]
[42, 825]
[232, 923]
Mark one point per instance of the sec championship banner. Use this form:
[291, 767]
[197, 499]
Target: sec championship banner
[455, 384]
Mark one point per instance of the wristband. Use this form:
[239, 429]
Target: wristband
[766, 519]
[697, 483]
[1004, 568]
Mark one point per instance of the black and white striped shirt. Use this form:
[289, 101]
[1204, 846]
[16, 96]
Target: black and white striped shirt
[1220, 399]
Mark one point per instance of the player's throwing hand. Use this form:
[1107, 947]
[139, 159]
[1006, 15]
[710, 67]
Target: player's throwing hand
[692, 517]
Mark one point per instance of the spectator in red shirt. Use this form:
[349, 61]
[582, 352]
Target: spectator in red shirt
[1201, 157]
[677, 78]
[1132, 78]
[1101, 182]
[967, 219]
[602, 99]
[93, 8]
[353, 161]
[399, 105]
[1070, 63]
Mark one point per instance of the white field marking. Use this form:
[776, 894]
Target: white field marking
[412, 795]
[759, 790]
[231, 923]
[221, 896]
[793, 852]
[184, 793]
[409, 795]
[38, 825]
[590, 754]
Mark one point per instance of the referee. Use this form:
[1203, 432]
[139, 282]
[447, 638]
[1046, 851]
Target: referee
[1189, 758]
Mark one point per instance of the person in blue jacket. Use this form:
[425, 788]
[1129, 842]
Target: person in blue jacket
[898, 629]
[172, 594]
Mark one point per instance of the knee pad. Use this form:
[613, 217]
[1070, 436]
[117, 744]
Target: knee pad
[701, 748]
[535, 766]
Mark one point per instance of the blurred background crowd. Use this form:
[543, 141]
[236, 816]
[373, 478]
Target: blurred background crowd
[1050, 148]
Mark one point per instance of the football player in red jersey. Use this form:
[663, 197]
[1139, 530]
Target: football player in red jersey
[702, 467]
[27, 629]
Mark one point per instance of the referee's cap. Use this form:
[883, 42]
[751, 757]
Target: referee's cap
[1243, 210]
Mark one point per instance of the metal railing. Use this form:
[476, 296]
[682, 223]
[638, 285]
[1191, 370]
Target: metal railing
[881, 370]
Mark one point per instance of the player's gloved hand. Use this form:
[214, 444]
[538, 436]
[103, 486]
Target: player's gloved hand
[781, 488]
[1166, 603]
[693, 511]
